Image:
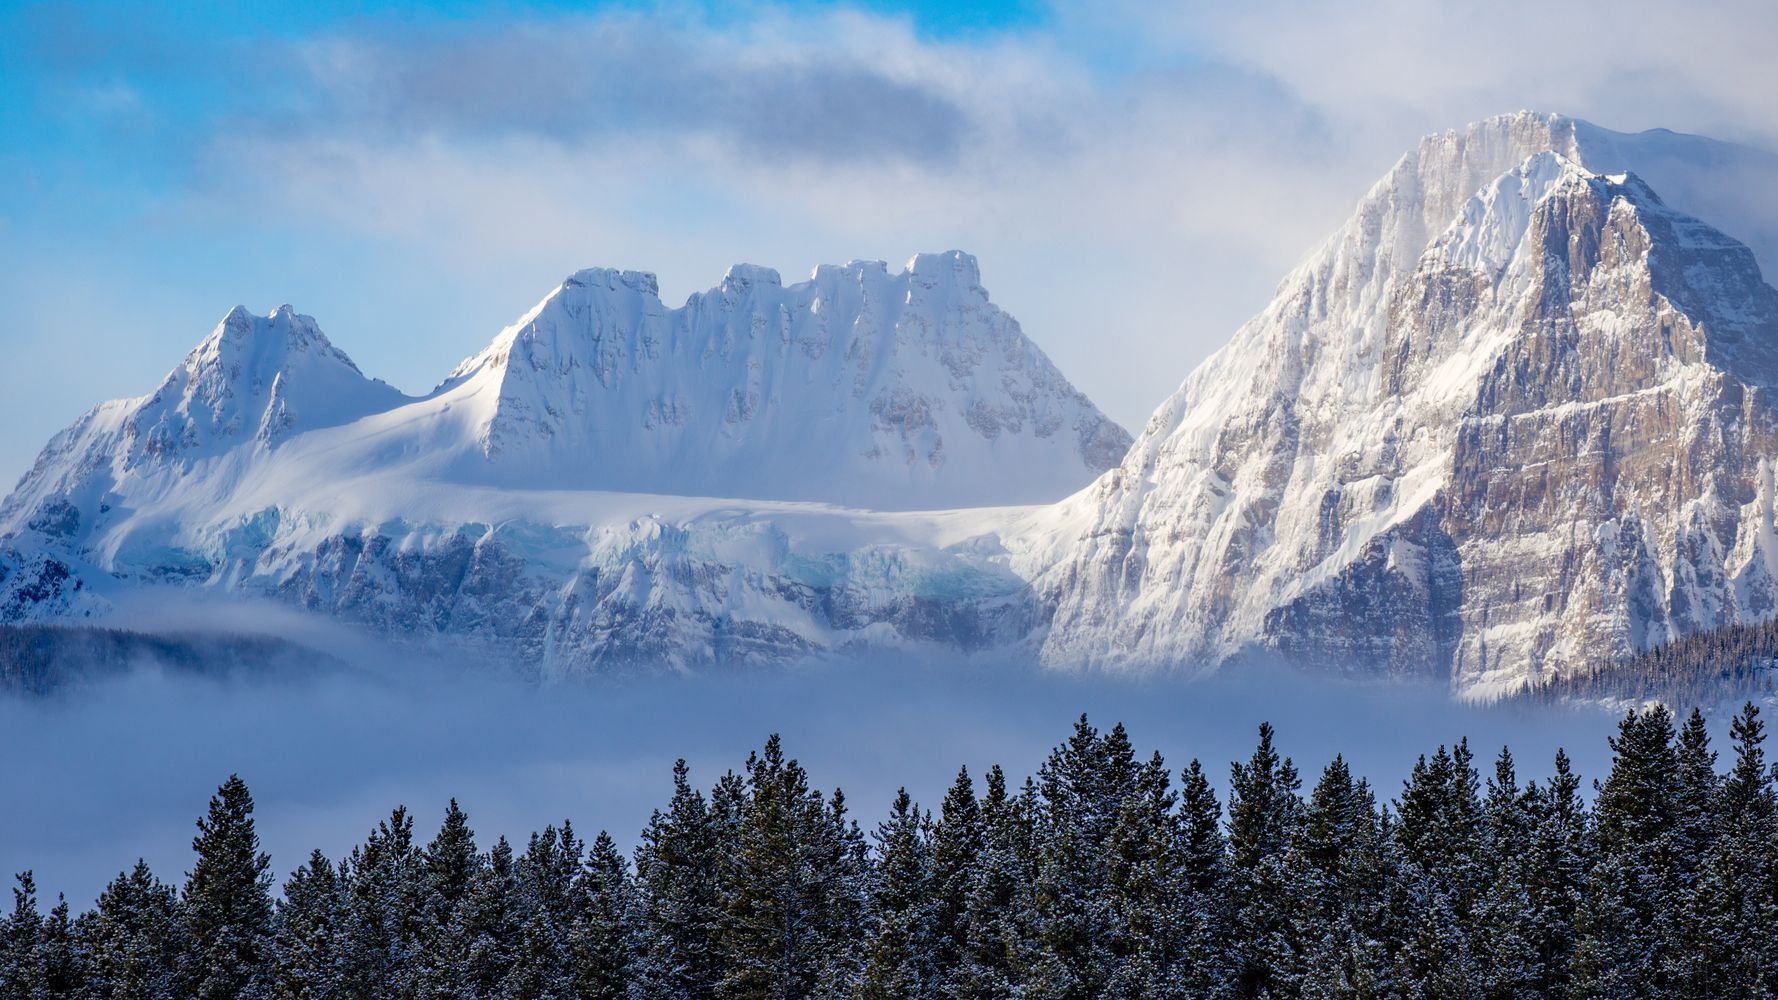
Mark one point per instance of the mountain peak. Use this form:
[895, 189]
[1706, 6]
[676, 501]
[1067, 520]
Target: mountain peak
[614, 279]
[858, 386]
[1506, 420]
[953, 268]
[747, 275]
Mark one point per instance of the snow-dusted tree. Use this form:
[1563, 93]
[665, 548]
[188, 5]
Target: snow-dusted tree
[1204, 875]
[487, 925]
[228, 901]
[1630, 897]
[22, 975]
[1340, 860]
[902, 941]
[1735, 903]
[1083, 783]
[307, 935]
[679, 904]
[135, 939]
[1001, 917]
[793, 888]
[380, 904]
[1438, 848]
[957, 847]
[1145, 864]
[601, 944]
[547, 898]
[447, 870]
[1263, 814]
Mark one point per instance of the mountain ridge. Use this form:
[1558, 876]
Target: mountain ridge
[1513, 417]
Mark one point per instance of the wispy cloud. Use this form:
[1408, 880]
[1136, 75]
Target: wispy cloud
[328, 756]
[610, 78]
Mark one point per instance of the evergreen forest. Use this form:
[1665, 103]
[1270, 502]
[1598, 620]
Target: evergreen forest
[1106, 874]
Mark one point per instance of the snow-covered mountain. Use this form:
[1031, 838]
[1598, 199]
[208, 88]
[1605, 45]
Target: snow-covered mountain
[535, 498]
[1516, 415]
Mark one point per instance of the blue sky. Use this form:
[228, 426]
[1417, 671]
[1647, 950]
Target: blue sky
[1135, 177]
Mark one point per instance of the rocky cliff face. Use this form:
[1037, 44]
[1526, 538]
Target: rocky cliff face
[1481, 449]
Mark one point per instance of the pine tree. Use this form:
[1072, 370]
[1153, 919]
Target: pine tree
[1685, 970]
[676, 873]
[135, 939]
[1147, 890]
[380, 903]
[22, 975]
[1084, 783]
[308, 935]
[62, 953]
[228, 902]
[1437, 845]
[1636, 822]
[958, 843]
[540, 965]
[487, 925]
[899, 953]
[447, 869]
[1610, 959]
[1735, 906]
[846, 856]
[1001, 916]
[1208, 966]
[1506, 938]
[1263, 813]
[1339, 861]
[547, 896]
[1555, 875]
[793, 892]
[601, 946]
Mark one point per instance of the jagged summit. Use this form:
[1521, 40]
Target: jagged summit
[255, 376]
[253, 382]
[747, 275]
[856, 386]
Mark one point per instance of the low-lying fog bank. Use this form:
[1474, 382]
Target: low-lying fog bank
[121, 768]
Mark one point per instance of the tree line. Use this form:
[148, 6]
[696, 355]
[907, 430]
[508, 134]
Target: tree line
[39, 660]
[1713, 666]
[1106, 874]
